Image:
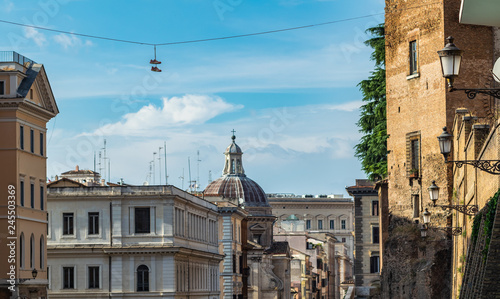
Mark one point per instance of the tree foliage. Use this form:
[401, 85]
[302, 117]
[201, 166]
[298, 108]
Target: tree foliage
[372, 148]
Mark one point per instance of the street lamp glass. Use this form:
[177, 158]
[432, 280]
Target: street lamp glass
[434, 192]
[423, 232]
[427, 216]
[34, 273]
[445, 140]
[450, 57]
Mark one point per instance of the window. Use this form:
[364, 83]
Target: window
[21, 137]
[67, 223]
[41, 198]
[32, 141]
[31, 94]
[68, 277]
[413, 57]
[234, 264]
[308, 224]
[2, 87]
[415, 143]
[332, 224]
[93, 223]
[142, 278]
[342, 224]
[93, 277]
[32, 195]
[375, 208]
[41, 144]
[375, 234]
[416, 205]
[21, 194]
[142, 221]
[21, 251]
[343, 240]
[320, 224]
[413, 154]
[374, 264]
[32, 251]
[42, 253]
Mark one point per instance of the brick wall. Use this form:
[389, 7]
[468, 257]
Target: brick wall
[420, 105]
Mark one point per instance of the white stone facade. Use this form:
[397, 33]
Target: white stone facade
[131, 242]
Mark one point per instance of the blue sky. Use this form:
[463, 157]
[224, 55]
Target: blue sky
[291, 96]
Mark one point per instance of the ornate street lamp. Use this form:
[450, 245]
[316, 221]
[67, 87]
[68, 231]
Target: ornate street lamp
[434, 195]
[427, 219]
[451, 57]
[445, 139]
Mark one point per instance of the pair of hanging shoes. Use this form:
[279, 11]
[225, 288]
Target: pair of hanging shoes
[154, 61]
[155, 69]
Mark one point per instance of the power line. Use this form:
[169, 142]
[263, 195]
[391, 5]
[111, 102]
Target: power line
[194, 40]
[213, 38]
[77, 34]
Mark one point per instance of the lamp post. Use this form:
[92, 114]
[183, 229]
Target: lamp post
[445, 140]
[434, 196]
[451, 57]
[426, 215]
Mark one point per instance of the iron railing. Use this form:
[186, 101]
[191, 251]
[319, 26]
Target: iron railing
[11, 56]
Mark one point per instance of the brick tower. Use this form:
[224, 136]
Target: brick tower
[418, 107]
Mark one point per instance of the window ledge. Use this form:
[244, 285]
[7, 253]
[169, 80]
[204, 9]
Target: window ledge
[413, 76]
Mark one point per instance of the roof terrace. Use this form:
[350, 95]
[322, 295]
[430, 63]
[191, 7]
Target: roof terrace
[11, 56]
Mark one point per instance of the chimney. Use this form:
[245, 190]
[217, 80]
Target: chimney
[103, 182]
[77, 168]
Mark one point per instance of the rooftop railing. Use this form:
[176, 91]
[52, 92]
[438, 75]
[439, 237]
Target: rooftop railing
[11, 56]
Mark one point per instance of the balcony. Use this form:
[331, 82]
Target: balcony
[11, 56]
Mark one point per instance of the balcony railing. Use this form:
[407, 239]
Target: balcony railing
[11, 56]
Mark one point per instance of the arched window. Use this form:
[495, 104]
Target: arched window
[21, 251]
[32, 251]
[142, 278]
[42, 253]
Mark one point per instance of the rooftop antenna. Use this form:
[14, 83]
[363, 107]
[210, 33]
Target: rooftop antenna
[182, 179]
[154, 178]
[102, 162]
[209, 176]
[166, 172]
[150, 171]
[189, 171]
[159, 161]
[109, 170]
[198, 170]
[94, 161]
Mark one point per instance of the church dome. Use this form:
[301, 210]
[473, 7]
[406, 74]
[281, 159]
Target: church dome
[236, 187]
[234, 184]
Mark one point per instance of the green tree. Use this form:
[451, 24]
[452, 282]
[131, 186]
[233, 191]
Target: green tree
[372, 148]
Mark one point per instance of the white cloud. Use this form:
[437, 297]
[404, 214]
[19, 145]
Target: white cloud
[7, 6]
[349, 106]
[69, 41]
[176, 111]
[35, 35]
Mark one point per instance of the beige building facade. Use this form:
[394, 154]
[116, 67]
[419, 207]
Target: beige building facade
[131, 242]
[366, 238]
[26, 105]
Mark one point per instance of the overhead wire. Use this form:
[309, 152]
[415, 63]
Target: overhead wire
[190, 41]
[213, 38]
